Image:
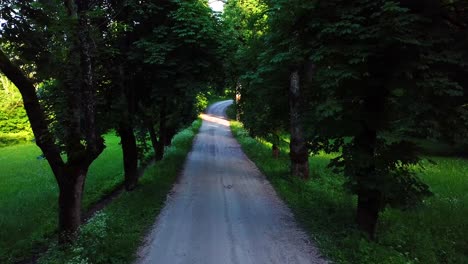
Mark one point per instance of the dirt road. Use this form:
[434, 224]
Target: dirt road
[223, 210]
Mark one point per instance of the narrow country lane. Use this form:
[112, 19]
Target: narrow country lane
[223, 210]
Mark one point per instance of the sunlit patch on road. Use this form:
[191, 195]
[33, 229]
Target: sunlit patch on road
[214, 119]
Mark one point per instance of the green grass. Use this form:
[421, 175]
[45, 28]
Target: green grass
[114, 234]
[435, 232]
[28, 195]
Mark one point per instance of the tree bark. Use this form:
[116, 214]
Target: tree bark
[275, 151]
[88, 89]
[238, 100]
[275, 146]
[368, 208]
[365, 143]
[159, 154]
[37, 118]
[154, 141]
[298, 149]
[169, 135]
[71, 186]
[127, 93]
[130, 155]
[71, 176]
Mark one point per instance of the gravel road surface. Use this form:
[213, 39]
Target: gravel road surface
[223, 210]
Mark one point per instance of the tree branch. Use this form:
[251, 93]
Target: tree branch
[37, 118]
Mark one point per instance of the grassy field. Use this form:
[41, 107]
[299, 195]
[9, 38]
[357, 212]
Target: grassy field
[114, 234]
[435, 232]
[28, 195]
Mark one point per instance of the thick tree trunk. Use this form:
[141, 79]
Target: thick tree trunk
[368, 208]
[275, 151]
[37, 118]
[298, 148]
[71, 185]
[169, 135]
[275, 146]
[130, 156]
[71, 176]
[159, 154]
[369, 197]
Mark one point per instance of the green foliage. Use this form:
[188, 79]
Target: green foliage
[368, 69]
[98, 66]
[114, 234]
[260, 80]
[201, 102]
[388, 54]
[181, 52]
[434, 233]
[14, 123]
[8, 139]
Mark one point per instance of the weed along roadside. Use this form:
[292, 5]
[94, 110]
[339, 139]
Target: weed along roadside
[434, 232]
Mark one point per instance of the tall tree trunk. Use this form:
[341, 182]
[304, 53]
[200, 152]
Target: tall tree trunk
[154, 140]
[37, 118]
[71, 186]
[298, 149]
[159, 154]
[130, 155]
[169, 135]
[365, 143]
[238, 100]
[275, 146]
[126, 131]
[368, 208]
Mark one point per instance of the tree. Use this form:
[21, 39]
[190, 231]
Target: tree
[373, 59]
[370, 73]
[78, 134]
[271, 80]
[13, 117]
[182, 51]
[85, 67]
